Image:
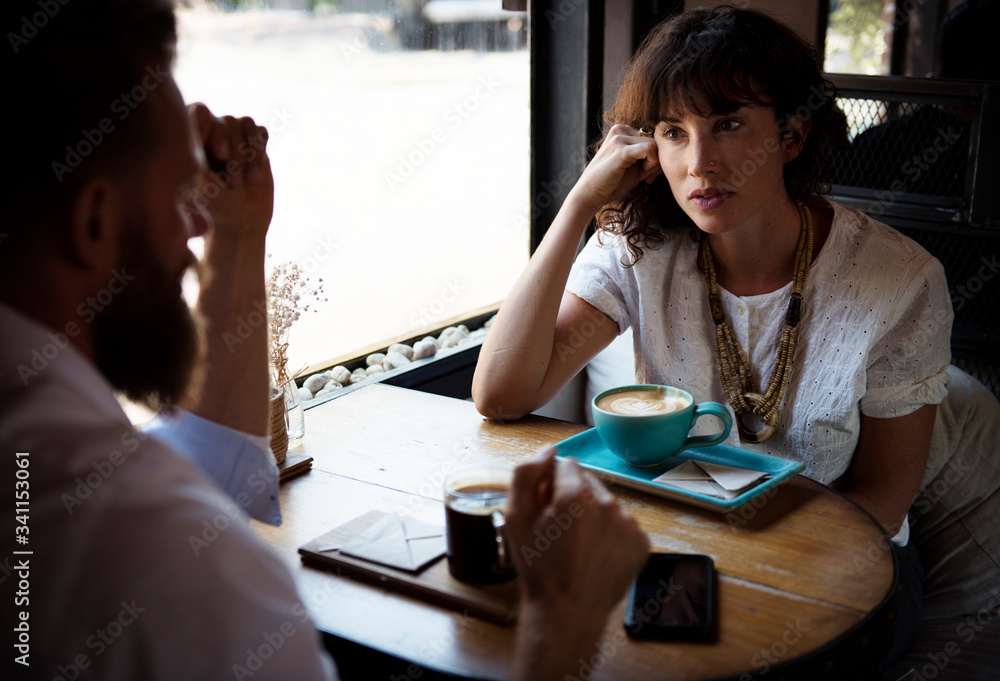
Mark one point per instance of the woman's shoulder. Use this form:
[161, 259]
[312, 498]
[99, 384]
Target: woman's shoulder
[857, 238]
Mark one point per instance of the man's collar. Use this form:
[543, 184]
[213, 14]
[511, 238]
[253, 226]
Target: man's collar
[31, 353]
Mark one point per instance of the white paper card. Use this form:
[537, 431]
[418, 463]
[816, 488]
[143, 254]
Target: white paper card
[729, 477]
[714, 480]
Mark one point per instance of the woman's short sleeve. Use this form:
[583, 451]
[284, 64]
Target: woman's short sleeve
[598, 277]
[907, 365]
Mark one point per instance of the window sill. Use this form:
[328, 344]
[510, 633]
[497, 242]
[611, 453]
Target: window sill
[446, 373]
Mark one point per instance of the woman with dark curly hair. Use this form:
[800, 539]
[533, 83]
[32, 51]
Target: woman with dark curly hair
[826, 332]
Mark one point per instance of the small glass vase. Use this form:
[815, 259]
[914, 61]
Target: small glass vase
[295, 420]
[279, 431]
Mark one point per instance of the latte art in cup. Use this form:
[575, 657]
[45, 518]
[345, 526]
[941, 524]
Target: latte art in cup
[642, 402]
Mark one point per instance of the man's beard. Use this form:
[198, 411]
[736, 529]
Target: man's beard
[147, 342]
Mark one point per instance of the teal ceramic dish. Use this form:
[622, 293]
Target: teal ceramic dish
[588, 448]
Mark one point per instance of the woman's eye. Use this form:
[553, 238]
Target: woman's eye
[671, 133]
[729, 124]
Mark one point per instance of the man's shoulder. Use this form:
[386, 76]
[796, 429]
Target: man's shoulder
[122, 523]
[82, 473]
[87, 464]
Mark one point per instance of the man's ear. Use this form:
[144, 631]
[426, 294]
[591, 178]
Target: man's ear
[793, 139]
[97, 220]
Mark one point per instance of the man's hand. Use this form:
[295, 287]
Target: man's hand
[576, 551]
[237, 190]
[237, 187]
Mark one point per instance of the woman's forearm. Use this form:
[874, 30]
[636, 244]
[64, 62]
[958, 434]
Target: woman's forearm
[516, 373]
[514, 360]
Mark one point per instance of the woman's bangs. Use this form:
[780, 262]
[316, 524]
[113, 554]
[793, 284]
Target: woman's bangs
[708, 94]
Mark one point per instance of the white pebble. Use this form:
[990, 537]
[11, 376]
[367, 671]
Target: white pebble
[375, 369]
[424, 348]
[394, 360]
[462, 329]
[449, 341]
[316, 382]
[330, 387]
[403, 349]
[489, 322]
[432, 339]
[305, 395]
[358, 375]
[340, 374]
[375, 358]
[449, 331]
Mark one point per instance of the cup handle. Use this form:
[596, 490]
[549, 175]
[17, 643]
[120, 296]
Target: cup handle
[503, 554]
[704, 409]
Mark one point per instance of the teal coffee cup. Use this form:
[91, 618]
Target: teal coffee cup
[644, 425]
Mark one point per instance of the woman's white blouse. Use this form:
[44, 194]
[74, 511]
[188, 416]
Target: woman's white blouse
[873, 339]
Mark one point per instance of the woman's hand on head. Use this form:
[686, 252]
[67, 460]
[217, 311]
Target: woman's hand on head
[624, 160]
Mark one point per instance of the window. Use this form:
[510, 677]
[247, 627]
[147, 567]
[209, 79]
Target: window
[859, 37]
[399, 140]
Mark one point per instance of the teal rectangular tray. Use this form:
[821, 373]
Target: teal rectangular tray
[588, 448]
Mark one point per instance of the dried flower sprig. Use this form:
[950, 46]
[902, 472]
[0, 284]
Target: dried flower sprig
[288, 290]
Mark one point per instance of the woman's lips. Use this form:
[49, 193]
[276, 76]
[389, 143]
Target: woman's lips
[709, 200]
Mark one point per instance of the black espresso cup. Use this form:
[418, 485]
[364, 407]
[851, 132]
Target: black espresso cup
[474, 503]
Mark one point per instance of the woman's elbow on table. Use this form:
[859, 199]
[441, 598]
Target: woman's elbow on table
[495, 401]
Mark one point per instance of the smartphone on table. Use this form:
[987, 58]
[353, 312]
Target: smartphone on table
[672, 597]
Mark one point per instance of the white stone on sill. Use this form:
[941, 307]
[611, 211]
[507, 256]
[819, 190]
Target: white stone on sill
[425, 348]
[316, 382]
[330, 387]
[340, 374]
[305, 394]
[394, 360]
[375, 369]
[375, 358]
[403, 349]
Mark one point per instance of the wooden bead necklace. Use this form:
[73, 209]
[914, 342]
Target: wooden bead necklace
[731, 360]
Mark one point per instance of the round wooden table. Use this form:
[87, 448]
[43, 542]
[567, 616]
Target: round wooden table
[805, 576]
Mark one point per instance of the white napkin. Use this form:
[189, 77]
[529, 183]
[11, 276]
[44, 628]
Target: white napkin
[710, 479]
